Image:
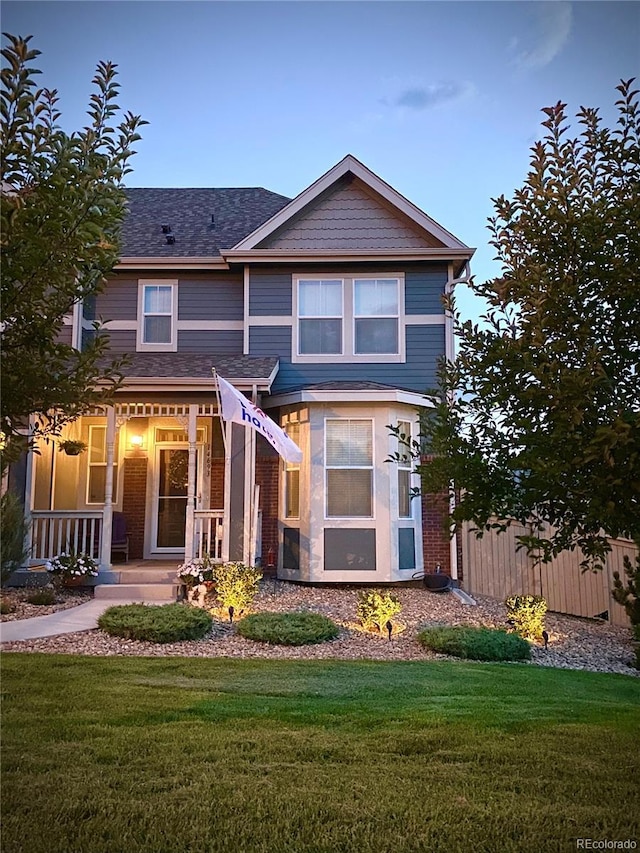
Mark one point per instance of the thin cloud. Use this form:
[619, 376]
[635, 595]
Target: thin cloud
[551, 31]
[425, 97]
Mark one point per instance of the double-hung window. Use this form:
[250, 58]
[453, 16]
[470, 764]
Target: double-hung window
[320, 311]
[349, 467]
[157, 314]
[97, 465]
[404, 469]
[376, 315]
[349, 319]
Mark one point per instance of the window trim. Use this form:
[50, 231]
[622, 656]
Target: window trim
[371, 467]
[141, 344]
[90, 465]
[349, 355]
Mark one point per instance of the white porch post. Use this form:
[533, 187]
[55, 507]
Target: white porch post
[29, 493]
[107, 514]
[191, 484]
[227, 430]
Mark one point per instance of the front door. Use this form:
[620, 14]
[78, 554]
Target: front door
[170, 490]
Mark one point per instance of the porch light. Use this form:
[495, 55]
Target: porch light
[136, 441]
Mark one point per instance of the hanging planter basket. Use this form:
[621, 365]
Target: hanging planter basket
[72, 448]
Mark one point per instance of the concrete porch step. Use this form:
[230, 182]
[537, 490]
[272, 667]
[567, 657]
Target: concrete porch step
[161, 592]
[135, 576]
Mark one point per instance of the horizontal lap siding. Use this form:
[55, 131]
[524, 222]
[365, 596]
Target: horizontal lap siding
[211, 299]
[118, 301]
[120, 341]
[424, 345]
[424, 290]
[219, 342]
[270, 294]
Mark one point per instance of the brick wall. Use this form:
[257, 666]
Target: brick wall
[216, 494]
[267, 473]
[134, 502]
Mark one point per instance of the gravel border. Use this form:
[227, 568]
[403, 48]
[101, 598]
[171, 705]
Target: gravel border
[574, 643]
[17, 597]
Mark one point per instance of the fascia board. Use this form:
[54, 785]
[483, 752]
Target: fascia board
[182, 383]
[349, 164]
[309, 256]
[152, 263]
[355, 396]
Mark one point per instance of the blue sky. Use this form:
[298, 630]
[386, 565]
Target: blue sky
[441, 99]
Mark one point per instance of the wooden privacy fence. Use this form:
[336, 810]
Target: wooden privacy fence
[492, 566]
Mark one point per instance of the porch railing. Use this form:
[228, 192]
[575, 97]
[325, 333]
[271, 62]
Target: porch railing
[208, 533]
[56, 531]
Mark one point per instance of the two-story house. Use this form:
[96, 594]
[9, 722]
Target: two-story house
[326, 311]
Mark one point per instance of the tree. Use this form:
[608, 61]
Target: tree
[62, 205]
[538, 419]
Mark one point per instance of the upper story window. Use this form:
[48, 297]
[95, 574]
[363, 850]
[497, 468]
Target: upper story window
[320, 312]
[350, 319]
[157, 316]
[376, 315]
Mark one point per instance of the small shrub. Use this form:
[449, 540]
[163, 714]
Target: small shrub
[475, 643]
[13, 535]
[526, 614]
[167, 623]
[42, 597]
[288, 629]
[236, 585]
[6, 607]
[376, 608]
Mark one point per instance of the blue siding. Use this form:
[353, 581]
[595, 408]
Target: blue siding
[118, 301]
[424, 290]
[211, 299]
[119, 341]
[270, 294]
[425, 344]
[228, 342]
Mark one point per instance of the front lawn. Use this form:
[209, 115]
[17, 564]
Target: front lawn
[182, 755]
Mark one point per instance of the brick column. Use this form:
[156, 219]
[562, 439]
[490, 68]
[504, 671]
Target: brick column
[134, 502]
[267, 471]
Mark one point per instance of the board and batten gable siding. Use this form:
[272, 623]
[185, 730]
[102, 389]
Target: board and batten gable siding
[425, 345]
[423, 291]
[270, 294]
[350, 216]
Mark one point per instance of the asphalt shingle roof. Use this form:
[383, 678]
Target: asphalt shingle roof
[188, 212]
[143, 365]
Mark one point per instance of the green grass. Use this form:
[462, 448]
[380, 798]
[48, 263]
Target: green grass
[288, 629]
[184, 755]
[472, 643]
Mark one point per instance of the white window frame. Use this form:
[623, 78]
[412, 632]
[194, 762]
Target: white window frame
[371, 467]
[141, 344]
[349, 355]
[404, 465]
[331, 356]
[90, 465]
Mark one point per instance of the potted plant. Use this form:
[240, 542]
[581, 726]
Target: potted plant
[72, 569]
[72, 447]
[198, 579]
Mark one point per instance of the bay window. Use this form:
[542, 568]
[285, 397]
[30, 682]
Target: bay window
[349, 468]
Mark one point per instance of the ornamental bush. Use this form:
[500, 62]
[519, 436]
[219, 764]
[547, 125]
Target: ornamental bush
[166, 623]
[526, 614]
[376, 608]
[236, 585]
[42, 597]
[475, 643]
[288, 629]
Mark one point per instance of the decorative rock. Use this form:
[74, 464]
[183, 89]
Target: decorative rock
[574, 643]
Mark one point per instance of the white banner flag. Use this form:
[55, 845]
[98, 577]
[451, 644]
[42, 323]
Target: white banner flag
[236, 408]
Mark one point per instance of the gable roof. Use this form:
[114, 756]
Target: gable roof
[349, 166]
[188, 212]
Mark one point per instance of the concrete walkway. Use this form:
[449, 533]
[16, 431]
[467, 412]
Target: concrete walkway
[84, 617]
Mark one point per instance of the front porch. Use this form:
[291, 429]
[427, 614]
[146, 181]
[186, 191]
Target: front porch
[177, 480]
